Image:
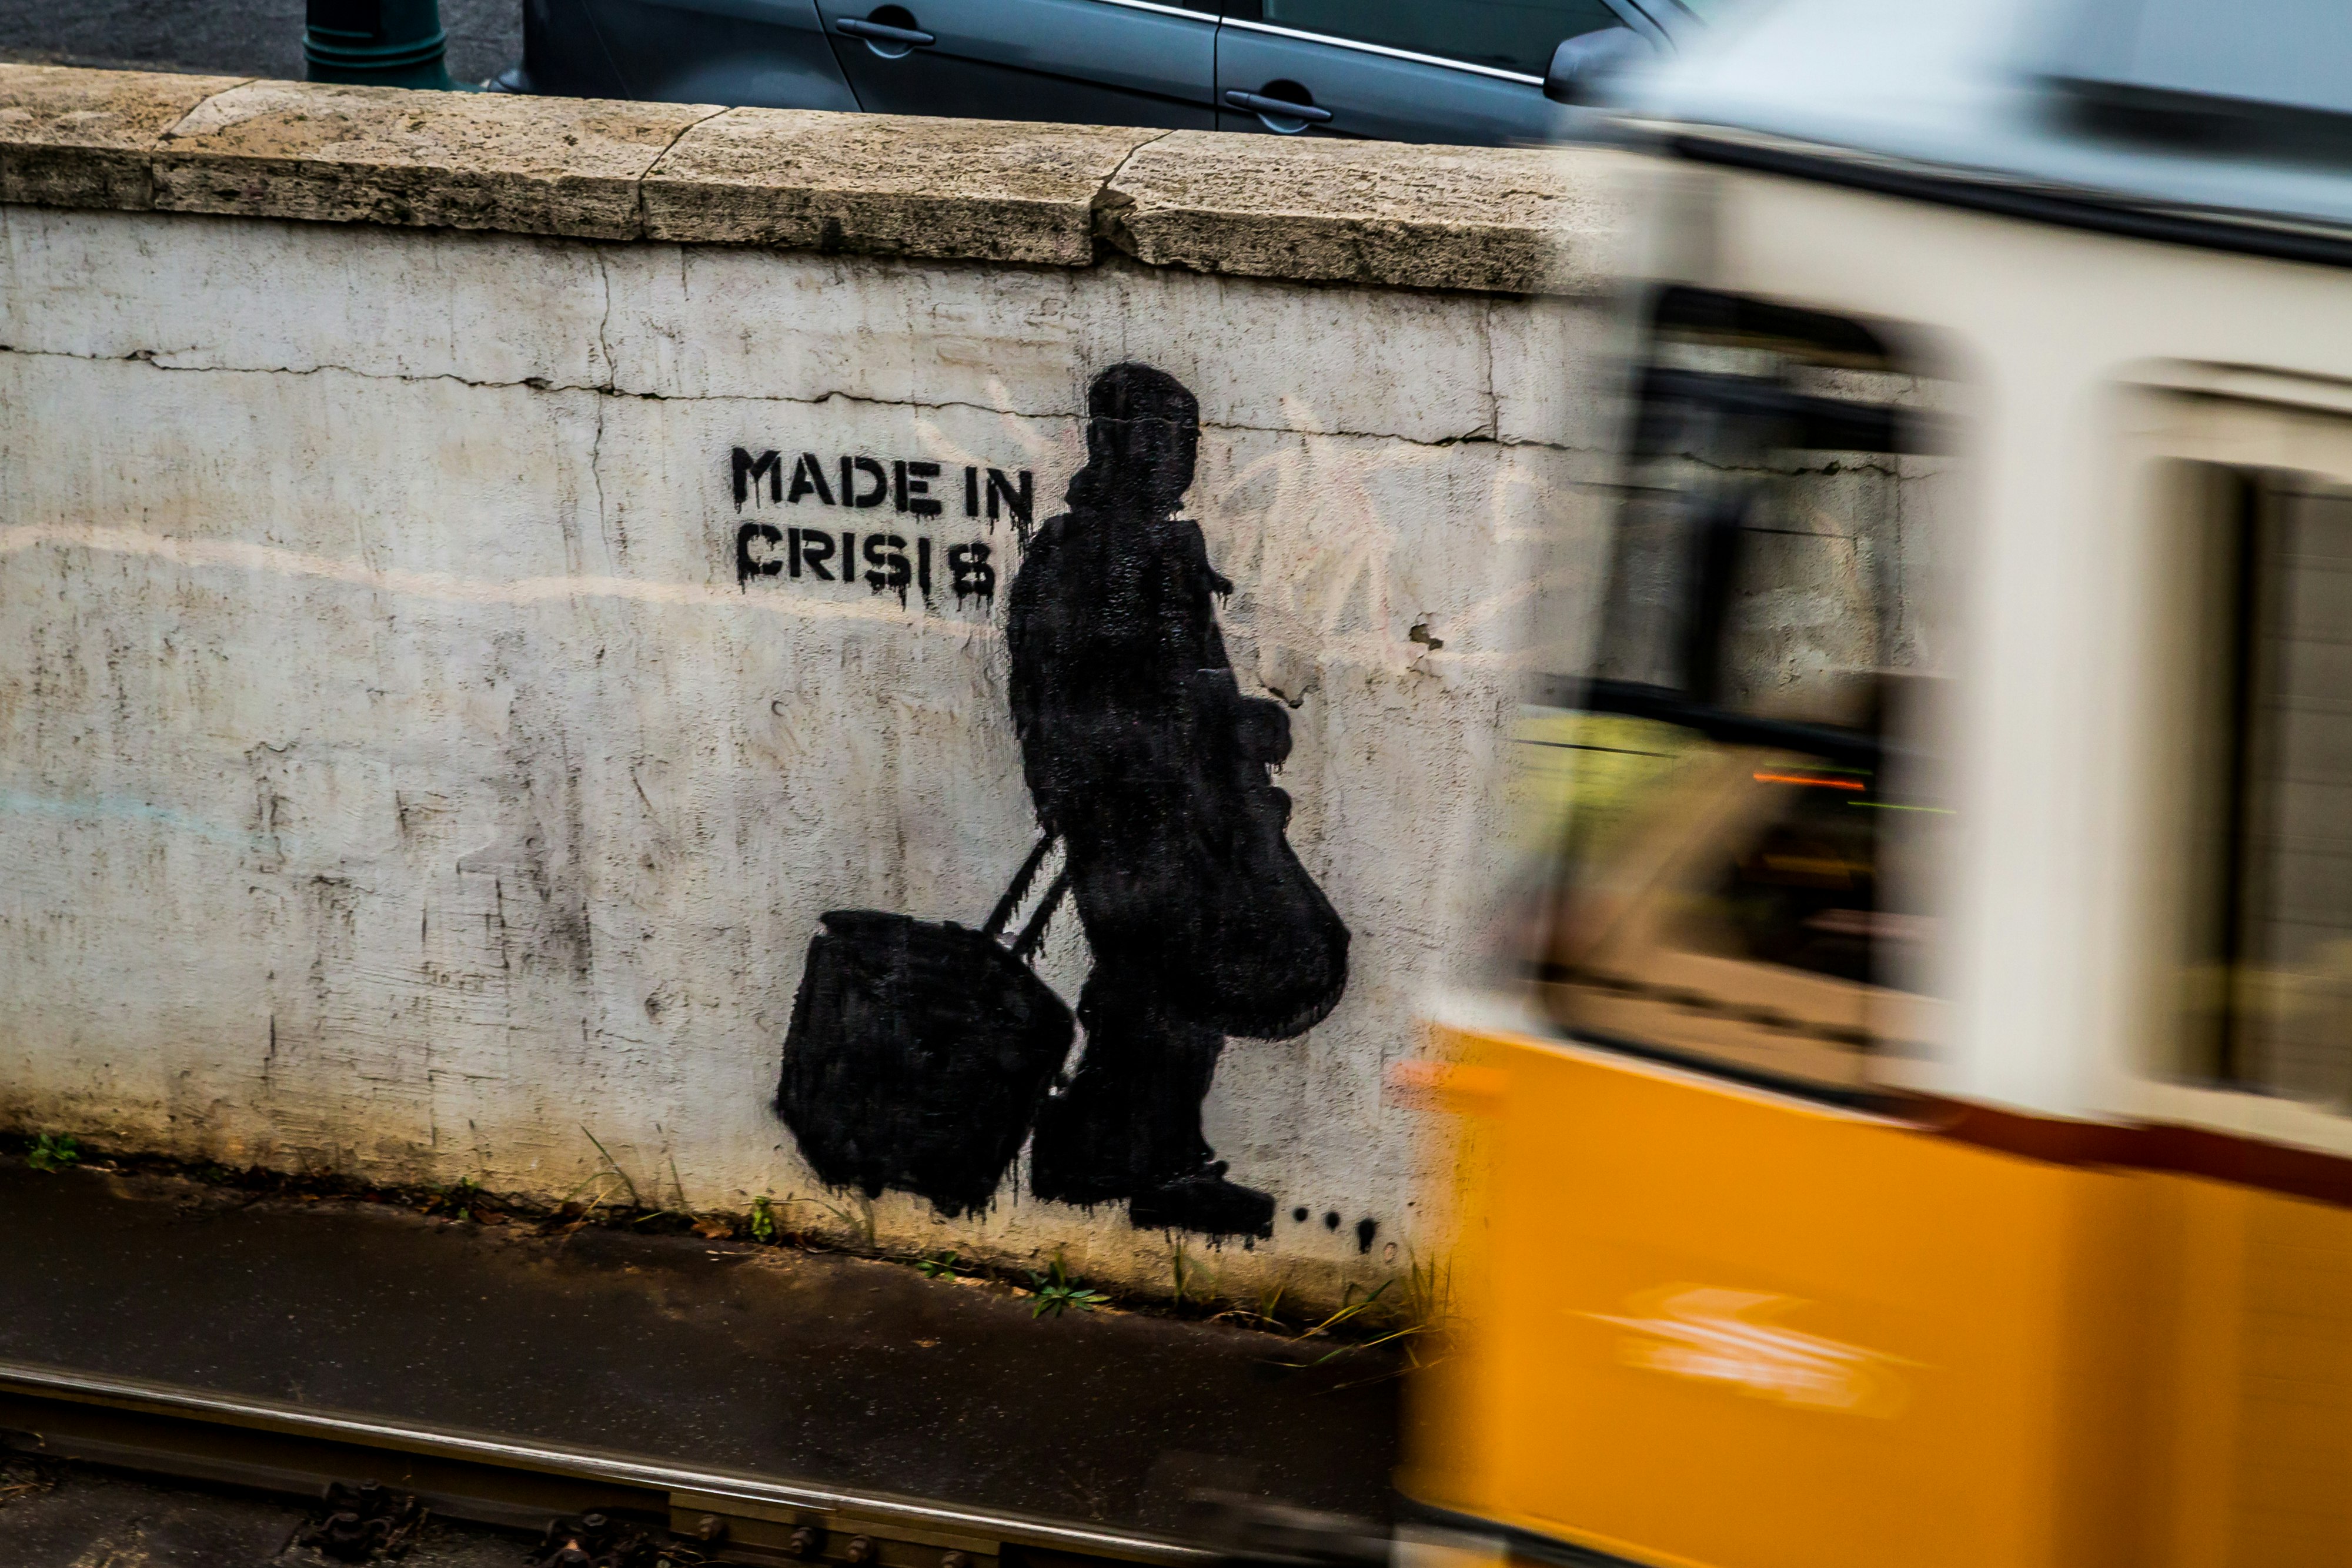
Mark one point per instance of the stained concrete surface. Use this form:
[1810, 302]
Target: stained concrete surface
[74, 1516]
[1508, 220]
[236, 37]
[358, 154]
[889, 184]
[840, 1371]
[458, 800]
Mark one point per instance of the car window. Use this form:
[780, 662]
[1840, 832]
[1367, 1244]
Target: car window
[1511, 35]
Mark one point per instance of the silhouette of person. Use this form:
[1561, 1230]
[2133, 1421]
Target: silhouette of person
[1143, 756]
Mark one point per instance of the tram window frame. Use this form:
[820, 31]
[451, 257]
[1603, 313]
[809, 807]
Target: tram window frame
[2236, 816]
[1648, 950]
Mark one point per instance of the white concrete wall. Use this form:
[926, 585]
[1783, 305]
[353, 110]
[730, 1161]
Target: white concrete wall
[395, 779]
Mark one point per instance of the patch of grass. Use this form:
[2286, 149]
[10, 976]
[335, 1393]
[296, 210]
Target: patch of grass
[1056, 1292]
[464, 1196]
[53, 1152]
[636, 1214]
[462, 1200]
[1409, 1311]
[1350, 1310]
[860, 1220]
[614, 1165]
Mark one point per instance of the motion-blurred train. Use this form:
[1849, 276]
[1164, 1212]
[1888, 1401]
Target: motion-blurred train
[1913, 1123]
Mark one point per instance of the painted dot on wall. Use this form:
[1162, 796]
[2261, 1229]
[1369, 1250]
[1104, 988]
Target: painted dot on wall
[1331, 1220]
[1298, 1215]
[1365, 1230]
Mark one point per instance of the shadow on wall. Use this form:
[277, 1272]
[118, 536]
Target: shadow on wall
[922, 1055]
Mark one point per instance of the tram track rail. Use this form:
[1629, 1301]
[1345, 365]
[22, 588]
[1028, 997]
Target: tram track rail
[191, 1434]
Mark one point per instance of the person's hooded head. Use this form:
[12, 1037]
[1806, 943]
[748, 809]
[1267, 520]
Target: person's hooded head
[1143, 430]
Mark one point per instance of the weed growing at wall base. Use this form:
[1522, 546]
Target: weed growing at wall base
[459, 1202]
[1401, 1315]
[53, 1152]
[1056, 1292]
[1410, 1322]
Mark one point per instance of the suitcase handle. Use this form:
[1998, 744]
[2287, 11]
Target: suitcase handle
[1034, 931]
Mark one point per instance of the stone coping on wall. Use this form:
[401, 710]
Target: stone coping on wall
[1512, 220]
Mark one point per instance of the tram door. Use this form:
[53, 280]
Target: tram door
[2253, 656]
[1734, 1302]
[2245, 1046]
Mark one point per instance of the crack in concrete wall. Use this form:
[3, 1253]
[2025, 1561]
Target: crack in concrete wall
[446, 820]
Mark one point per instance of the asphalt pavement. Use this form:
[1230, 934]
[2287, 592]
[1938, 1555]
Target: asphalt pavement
[232, 37]
[846, 1374]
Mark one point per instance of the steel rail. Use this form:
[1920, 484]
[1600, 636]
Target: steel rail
[478, 1471]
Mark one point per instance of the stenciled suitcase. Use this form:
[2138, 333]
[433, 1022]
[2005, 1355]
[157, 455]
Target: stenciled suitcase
[919, 1050]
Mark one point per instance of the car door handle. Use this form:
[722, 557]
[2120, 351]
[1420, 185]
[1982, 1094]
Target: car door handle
[1258, 103]
[883, 33]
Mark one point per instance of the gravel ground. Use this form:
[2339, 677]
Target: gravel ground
[234, 37]
[74, 1516]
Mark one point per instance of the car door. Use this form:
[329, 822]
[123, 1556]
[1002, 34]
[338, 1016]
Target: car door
[1087, 62]
[770, 53]
[1464, 71]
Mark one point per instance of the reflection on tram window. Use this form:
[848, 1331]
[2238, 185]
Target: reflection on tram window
[1752, 817]
[2276, 903]
[1802, 892]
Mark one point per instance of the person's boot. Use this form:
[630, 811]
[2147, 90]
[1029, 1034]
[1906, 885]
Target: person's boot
[1205, 1202]
[1131, 1113]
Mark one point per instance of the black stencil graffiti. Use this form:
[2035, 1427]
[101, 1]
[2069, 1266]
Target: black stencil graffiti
[919, 1051]
[859, 483]
[893, 562]
[892, 559]
[1143, 755]
[920, 1055]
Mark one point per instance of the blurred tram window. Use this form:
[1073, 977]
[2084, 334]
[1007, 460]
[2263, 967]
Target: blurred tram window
[2279, 914]
[1752, 833]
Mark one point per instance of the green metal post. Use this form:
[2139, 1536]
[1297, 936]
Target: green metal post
[378, 43]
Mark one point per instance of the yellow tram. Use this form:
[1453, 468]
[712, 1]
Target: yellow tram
[1913, 1124]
